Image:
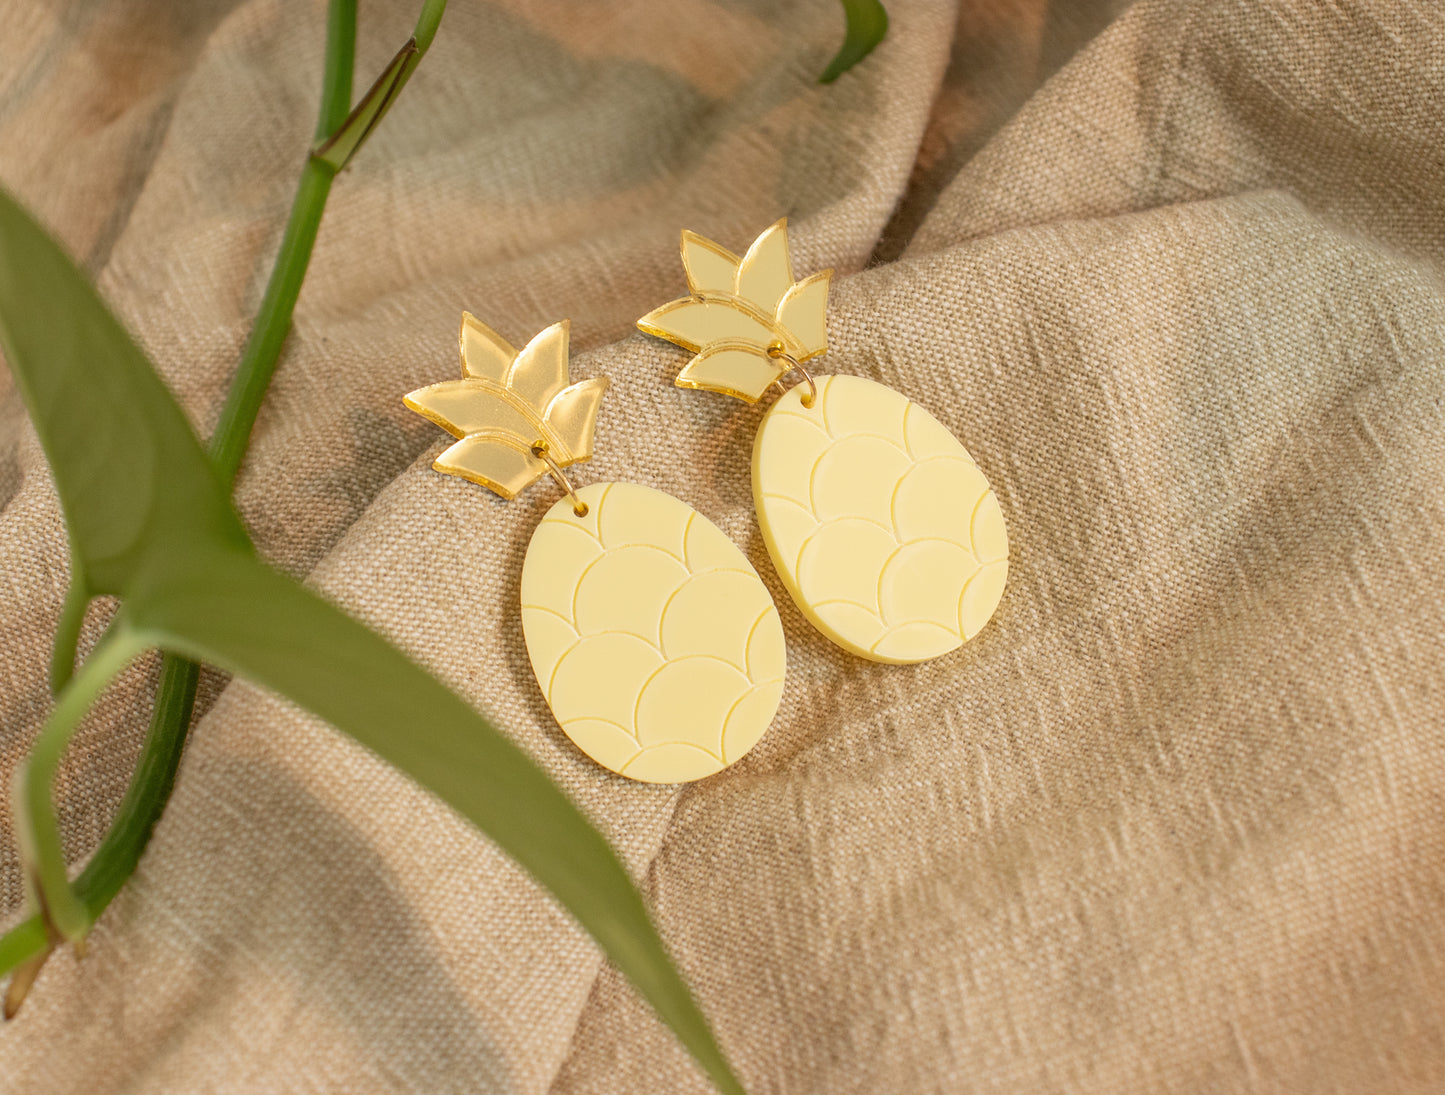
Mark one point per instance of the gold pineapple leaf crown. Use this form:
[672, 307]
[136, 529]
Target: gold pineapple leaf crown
[507, 402]
[745, 317]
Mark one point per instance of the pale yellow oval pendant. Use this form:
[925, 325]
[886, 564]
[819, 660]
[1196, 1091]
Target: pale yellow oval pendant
[879, 522]
[657, 646]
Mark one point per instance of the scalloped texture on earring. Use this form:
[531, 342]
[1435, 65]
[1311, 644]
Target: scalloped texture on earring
[655, 642]
[879, 522]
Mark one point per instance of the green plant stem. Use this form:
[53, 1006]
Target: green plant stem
[119, 852]
[23, 942]
[67, 630]
[273, 323]
[338, 67]
[427, 23]
[149, 790]
[36, 826]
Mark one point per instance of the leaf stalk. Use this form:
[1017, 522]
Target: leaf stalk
[119, 852]
[37, 829]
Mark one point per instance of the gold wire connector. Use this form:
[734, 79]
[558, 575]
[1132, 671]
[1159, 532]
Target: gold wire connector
[539, 450]
[777, 353]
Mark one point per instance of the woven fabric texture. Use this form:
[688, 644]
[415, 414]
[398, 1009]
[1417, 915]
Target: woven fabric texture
[1173, 273]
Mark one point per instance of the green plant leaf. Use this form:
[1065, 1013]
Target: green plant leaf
[151, 521]
[136, 488]
[867, 24]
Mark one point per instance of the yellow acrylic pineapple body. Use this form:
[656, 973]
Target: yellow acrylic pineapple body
[656, 644]
[879, 522]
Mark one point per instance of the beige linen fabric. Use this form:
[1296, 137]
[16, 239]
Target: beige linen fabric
[1174, 822]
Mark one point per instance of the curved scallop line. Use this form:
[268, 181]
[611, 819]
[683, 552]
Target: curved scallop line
[583, 529]
[907, 445]
[551, 612]
[748, 644]
[598, 718]
[923, 540]
[662, 619]
[662, 616]
[552, 677]
[847, 436]
[686, 744]
[596, 536]
[883, 573]
[588, 568]
[813, 482]
[805, 418]
[798, 561]
[831, 521]
[788, 498]
[722, 737]
[813, 477]
[600, 503]
[898, 486]
[937, 540]
[844, 601]
[878, 596]
[875, 437]
[686, 533]
[963, 453]
[913, 623]
[973, 517]
[823, 406]
[637, 704]
[963, 592]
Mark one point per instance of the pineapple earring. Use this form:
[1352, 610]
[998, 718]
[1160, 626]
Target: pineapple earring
[878, 521]
[654, 641]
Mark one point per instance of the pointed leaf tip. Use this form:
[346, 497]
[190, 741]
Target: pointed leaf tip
[867, 25]
[803, 311]
[497, 461]
[539, 370]
[572, 418]
[766, 271]
[709, 266]
[485, 353]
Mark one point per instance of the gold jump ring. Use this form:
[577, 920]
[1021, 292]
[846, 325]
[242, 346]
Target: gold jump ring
[540, 451]
[777, 353]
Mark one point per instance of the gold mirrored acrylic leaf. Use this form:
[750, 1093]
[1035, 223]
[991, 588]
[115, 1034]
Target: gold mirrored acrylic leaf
[484, 352]
[540, 369]
[494, 460]
[729, 330]
[501, 408]
[710, 267]
[694, 322]
[734, 369]
[765, 272]
[572, 416]
[463, 407]
[803, 311]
